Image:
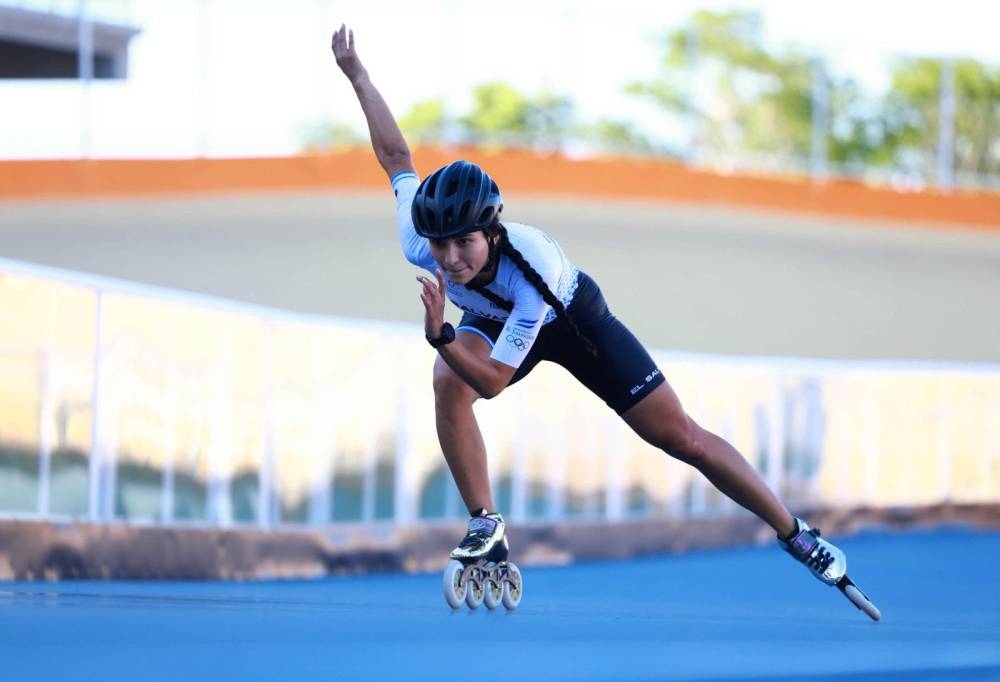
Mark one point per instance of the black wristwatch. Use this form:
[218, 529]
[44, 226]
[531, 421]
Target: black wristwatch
[447, 336]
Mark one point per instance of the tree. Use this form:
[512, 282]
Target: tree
[761, 104]
[425, 123]
[861, 137]
[549, 120]
[619, 137]
[913, 110]
[499, 114]
[503, 116]
[324, 137]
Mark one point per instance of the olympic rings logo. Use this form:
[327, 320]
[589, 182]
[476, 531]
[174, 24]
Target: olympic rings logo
[516, 342]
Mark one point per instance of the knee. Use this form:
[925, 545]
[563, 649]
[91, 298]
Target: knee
[449, 388]
[681, 438]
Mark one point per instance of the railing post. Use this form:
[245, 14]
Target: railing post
[518, 474]
[219, 449]
[265, 472]
[169, 435]
[368, 471]
[46, 416]
[776, 436]
[405, 489]
[871, 426]
[556, 472]
[944, 444]
[96, 435]
[614, 509]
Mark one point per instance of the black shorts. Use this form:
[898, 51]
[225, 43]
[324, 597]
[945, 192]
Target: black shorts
[621, 374]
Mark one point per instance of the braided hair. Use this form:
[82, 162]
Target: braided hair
[506, 248]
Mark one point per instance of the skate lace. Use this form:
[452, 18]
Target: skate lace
[474, 538]
[821, 558]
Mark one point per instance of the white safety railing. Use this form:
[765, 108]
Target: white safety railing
[128, 403]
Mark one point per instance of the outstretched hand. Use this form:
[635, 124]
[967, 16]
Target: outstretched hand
[432, 297]
[343, 50]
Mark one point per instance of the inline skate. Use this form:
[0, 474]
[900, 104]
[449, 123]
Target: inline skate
[479, 572]
[828, 563]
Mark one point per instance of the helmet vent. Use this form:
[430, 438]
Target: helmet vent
[432, 182]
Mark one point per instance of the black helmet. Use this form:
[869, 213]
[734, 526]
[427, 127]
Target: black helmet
[455, 200]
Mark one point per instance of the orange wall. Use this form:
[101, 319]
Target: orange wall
[514, 171]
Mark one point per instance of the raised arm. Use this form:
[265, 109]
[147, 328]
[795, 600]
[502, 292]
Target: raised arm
[390, 148]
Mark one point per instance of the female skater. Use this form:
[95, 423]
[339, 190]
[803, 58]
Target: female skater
[524, 301]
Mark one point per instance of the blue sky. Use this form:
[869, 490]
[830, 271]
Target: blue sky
[233, 77]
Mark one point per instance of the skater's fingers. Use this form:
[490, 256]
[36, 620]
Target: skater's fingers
[429, 290]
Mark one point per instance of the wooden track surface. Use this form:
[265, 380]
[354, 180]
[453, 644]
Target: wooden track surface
[683, 276]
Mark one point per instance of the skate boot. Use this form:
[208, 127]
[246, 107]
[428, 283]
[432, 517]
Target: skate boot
[485, 534]
[827, 563]
[479, 571]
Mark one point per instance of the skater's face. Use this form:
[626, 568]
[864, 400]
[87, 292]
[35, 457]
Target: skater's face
[461, 258]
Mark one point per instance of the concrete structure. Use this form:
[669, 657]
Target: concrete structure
[36, 44]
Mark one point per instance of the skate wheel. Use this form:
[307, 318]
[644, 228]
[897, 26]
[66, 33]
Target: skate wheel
[493, 592]
[859, 599]
[475, 591]
[454, 588]
[513, 587]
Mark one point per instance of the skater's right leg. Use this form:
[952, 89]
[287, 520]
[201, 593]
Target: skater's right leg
[458, 431]
[462, 444]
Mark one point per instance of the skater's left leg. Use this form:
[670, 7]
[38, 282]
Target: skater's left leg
[661, 421]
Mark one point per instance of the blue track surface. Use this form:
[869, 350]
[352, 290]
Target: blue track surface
[723, 615]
